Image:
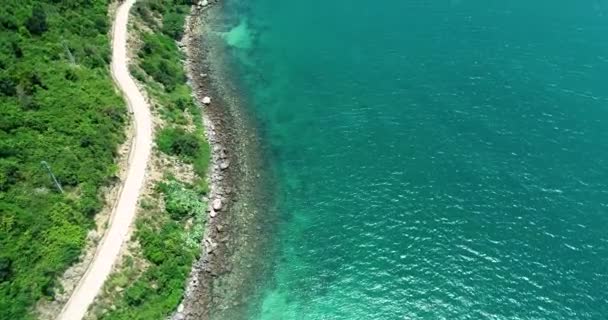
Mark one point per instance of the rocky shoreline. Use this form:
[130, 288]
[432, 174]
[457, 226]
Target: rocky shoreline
[219, 186]
[231, 218]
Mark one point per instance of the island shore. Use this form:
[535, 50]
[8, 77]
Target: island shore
[223, 277]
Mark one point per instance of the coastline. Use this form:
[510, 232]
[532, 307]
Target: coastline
[174, 201]
[222, 279]
[220, 168]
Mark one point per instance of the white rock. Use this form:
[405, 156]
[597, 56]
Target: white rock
[204, 3]
[217, 204]
[206, 100]
[213, 214]
[210, 245]
[180, 308]
[224, 165]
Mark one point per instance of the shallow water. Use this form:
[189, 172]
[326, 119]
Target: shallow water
[434, 159]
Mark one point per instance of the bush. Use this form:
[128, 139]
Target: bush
[178, 142]
[5, 268]
[36, 24]
[7, 86]
[160, 59]
[181, 202]
[136, 294]
[173, 25]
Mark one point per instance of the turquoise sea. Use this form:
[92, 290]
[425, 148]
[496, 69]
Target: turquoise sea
[434, 159]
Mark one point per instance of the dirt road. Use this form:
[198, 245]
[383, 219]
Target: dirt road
[124, 210]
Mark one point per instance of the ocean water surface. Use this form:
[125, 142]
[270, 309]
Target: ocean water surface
[434, 159]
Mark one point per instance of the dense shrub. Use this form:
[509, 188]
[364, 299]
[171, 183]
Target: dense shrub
[161, 60]
[181, 202]
[5, 268]
[190, 147]
[58, 105]
[178, 142]
[173, 25]
[36, 24]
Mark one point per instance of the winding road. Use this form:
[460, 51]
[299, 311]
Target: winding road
[124, 210]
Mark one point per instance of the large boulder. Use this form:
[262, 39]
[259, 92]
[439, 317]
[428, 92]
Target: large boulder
[217, 204]
[224, 165]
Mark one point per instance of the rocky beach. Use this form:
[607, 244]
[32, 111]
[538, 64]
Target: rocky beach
[218, 280]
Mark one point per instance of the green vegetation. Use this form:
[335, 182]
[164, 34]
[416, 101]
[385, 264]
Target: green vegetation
[161, 60]
[170, 251]
[178, 142]
[57, 104]
[158, 62]
[170, 231]
[188, 146]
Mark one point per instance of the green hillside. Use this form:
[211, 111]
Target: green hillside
[57, 104]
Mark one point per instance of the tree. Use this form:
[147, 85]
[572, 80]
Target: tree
[185, 144]
[36, 23]
[173, 25]
[5, 269]
[7, 86]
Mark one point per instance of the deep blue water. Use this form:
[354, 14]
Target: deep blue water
[435, 159]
